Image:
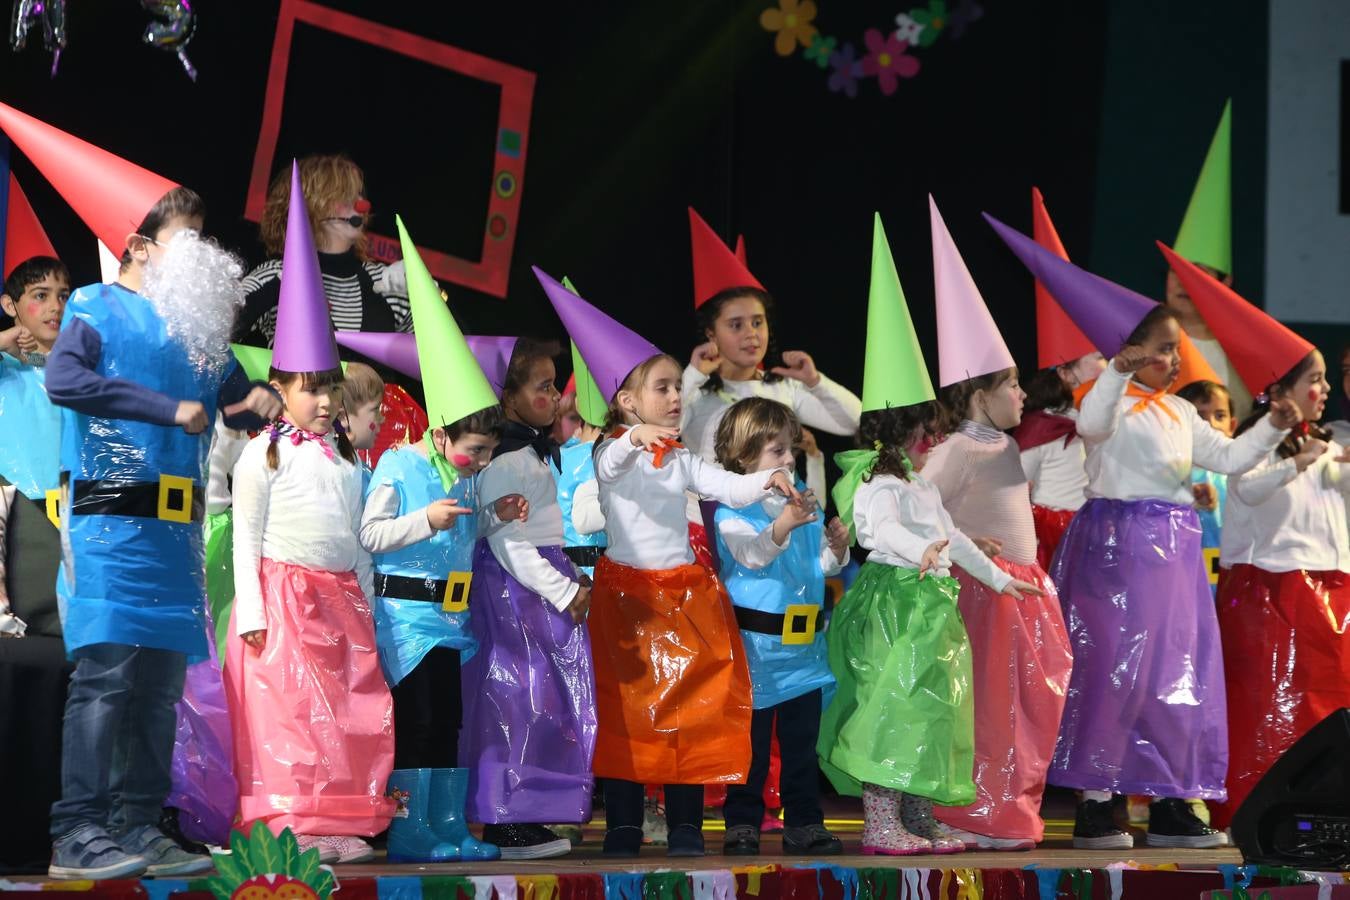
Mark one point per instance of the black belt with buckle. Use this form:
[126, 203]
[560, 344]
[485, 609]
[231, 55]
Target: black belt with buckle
[426, 590]
[799, 625]
[171, 499]
[586, 557]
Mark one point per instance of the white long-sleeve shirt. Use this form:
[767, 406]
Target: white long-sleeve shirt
[1058, 473]
[644, 507]
[1148, 455]
[1283, 520]
[305, 512]
[828, 406]
[516, 543]
[756, 549]
[226, 446]
[898, 520]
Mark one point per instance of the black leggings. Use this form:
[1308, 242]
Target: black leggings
[623, 804]
[428, 713]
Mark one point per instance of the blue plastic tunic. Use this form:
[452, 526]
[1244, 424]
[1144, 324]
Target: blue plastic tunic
[406, 630]
[1211, 522]
[30, 435]
[133, 579]
[578, 467]
[779, 671]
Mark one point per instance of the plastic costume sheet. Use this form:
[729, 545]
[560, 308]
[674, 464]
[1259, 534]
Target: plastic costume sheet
[204, 790]
[28, 451]
[1050, 527]
[404, 423]
[1146, 712]
[578, 467]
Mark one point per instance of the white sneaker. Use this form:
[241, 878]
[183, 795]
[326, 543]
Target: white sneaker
[348, 849]
[976, 841]
[327, 854]
[654, 830]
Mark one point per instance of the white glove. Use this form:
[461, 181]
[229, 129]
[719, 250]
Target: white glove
[393, 280]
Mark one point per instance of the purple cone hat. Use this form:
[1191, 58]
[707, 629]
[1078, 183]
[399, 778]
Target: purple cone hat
[611, 350]
[1103, 310]
[304, 335]
[398, 351]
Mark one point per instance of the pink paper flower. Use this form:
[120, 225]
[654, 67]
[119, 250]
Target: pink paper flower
[887, 60]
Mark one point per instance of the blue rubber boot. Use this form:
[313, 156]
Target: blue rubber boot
[411, 838]
[449, 788]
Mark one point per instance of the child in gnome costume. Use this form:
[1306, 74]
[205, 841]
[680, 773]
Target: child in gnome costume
[420, 525]
[1130, 573]
[35, 295]
[1284, 601]
[672, 688]
[900, 728]
[1019, 646]
[1053, 456]
[578, 491]
[1214, 404]
[775, 557]
[740, 359]
[139, 368]
[529, 692]
[314, 742]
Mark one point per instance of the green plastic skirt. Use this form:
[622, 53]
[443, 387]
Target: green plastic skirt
[220, 574]
[903, 716]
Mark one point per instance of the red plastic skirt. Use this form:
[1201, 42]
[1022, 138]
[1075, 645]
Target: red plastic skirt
[1050, 527]
[1286, 660]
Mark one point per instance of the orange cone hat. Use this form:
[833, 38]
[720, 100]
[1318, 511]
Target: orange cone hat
[1261, 349]
[109, 193]
[716, 267]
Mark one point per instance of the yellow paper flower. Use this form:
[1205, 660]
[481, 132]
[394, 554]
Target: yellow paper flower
[792, 20]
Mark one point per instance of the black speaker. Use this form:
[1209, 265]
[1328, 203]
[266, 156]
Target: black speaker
[1299, 813]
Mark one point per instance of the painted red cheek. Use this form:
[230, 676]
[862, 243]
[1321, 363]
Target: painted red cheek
[541, 403]
[374, 426]
[461, 460]
[34, 309]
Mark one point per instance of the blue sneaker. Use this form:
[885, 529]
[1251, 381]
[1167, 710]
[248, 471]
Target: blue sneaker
[162, 856]
[90, 853]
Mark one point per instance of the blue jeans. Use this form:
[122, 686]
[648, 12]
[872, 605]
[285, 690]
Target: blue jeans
[117, 740]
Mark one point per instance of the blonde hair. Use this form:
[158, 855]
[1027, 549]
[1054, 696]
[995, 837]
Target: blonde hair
[360, 385]
[747, 427]
[326, 181]
[616, 417]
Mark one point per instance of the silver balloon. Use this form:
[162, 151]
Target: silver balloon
[172, 28]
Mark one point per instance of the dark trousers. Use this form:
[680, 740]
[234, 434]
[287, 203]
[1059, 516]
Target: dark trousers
[623, 804]
[798, 722]
[428, 713]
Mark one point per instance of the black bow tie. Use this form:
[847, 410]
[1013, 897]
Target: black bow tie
[517, 435]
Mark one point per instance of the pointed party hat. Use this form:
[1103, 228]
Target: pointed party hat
[740, 250]
[109, 193]
[969, 343]
[493, 353]
[1261, 348]
[1206, 234]
[716, 267]
[1194, 366]
[255, 361]
[611, 350]
[109, 266]
[393, 349]
[591, 404]
[894, 373]
[1058, 340]
[452, 379]
[23, 236]
[1103, 310]
[304, 333]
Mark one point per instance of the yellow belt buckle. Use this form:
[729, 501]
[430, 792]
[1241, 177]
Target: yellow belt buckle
[1212, 564]
[457, 592]
[54, 506]
[799, 623]
[175, 498]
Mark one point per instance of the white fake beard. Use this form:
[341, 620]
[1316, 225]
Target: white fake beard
[195, 289]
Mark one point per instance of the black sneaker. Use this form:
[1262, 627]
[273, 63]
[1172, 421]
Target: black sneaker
[624, 841]
[523, 841]
[685, 840]
[1172, 823]
[1094, 828]
[741, 840]
[811, 840]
